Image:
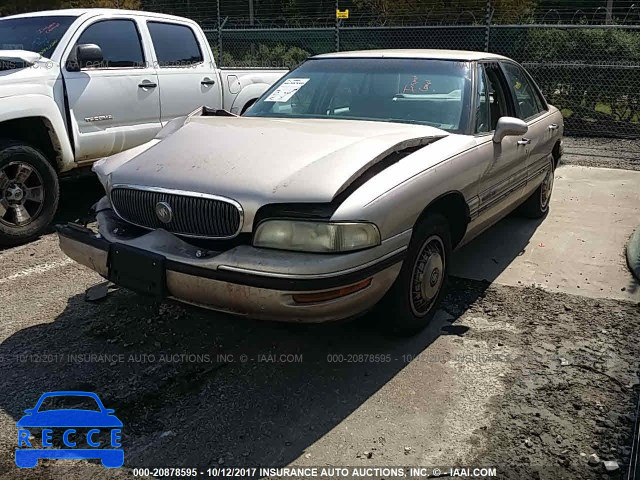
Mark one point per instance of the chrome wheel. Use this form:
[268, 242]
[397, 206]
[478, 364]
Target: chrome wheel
[21, 194]
[545, 189]
[427, 276]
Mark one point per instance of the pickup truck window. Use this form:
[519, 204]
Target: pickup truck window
[34, 34]
[428, 92]
[119, 41]
[175, 45]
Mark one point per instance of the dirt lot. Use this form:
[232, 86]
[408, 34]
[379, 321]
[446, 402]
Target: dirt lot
[527, 380]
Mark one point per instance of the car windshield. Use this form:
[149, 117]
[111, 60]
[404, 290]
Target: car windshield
[66, 402]
[35, 34]
[428, 92]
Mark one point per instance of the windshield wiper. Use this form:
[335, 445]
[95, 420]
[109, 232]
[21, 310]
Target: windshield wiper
[417, 122]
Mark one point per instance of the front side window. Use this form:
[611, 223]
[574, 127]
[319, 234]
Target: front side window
[34, 34]
[499, 105]
[421, 91]
[175, 45]
[119, 42]
[526, 97]
[483, 118]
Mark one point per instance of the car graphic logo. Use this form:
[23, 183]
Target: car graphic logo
[72, 423]
[164, 212]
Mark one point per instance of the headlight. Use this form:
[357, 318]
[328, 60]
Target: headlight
[316, 236]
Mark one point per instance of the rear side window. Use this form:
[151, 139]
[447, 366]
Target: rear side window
[175, 45]
[527, 100]
[119, 42]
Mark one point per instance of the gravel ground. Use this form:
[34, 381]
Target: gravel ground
[531, 382]
[602, 152]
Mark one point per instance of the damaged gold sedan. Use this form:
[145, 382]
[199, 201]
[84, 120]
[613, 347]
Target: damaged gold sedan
[345, 186]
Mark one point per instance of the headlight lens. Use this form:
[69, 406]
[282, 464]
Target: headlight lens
[316, 236]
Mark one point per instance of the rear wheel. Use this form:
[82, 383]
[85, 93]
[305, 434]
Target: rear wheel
[29, 193]
[537, 205]
[413, 300]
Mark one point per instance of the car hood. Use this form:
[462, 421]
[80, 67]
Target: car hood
[18, 57]
[69, 418]
[267, 160]
[23, 72]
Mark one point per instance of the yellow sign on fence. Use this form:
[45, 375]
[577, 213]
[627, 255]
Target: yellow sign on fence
[342, 13]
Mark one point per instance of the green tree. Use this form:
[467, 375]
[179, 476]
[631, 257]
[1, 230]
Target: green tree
[437, 11]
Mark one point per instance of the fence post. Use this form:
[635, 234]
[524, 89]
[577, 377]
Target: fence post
[219, 34]
[337, 29]
[487, 27]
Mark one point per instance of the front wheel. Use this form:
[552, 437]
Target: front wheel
[414, 298]
[29, 193]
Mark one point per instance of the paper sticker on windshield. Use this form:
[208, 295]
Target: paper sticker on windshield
[287, 90]
[12, 46]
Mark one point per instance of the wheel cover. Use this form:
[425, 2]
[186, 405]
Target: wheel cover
[21, 194]
[427, 276]
[546, 189]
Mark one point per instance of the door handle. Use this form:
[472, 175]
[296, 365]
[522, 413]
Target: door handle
[147, 84]
[524, 141]
[208, 81]
[553, 126]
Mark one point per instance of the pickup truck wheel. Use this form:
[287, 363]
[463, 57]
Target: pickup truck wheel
[247, 105]
[537, 205]
[29, 193]
[413, 299]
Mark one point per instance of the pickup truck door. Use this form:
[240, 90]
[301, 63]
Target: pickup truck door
[543, 132]
[504, 176]
[114, 104]
[187, 73]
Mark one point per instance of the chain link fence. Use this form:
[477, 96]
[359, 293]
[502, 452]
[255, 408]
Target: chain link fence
[585, 57]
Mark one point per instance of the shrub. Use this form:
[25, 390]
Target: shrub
[277, 56]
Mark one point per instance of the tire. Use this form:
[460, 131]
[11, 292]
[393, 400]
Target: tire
[537, 205]
[410, 304]
[29, 193]
[247, 106]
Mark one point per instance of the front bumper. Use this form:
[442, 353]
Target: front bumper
[238, 286]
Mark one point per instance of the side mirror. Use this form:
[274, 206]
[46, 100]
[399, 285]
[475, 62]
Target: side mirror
[109, 411]
[509, 126]
[85, 55]
[29, 410]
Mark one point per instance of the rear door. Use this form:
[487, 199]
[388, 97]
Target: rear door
[186, 71]
[532, 108]
[114, 104]
[504, 175]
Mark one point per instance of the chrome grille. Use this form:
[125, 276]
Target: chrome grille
[194, 215]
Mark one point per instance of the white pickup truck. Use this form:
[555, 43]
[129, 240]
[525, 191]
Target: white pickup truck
[78, 85]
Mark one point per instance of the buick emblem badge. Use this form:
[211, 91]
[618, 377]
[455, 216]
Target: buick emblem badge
[164, 212]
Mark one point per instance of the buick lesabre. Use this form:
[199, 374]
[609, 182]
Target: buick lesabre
[346, 186]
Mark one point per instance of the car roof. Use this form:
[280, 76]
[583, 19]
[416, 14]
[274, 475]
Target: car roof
[92, 12]
[435, 54]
